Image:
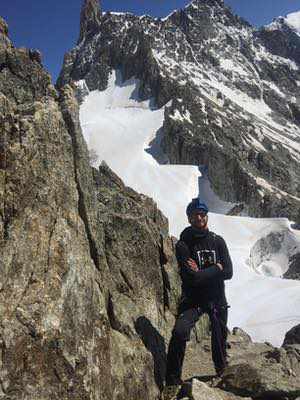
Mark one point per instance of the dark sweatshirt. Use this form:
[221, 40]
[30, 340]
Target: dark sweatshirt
[205, 286]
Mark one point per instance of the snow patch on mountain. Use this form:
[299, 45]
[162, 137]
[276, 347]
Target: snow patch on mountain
[233, 67]
[274, 87]
[293, 20]
[186, 116]
[263, 55]
[117, 13]
[266, 186]
[168, 16]
[271, 254]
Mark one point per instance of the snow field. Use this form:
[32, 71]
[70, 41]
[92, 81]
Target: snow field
[293, 20]
[120, 128]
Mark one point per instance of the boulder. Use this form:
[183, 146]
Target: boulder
[239, 336]
[202, 391]
[293, 271]
[259, 370]
[292, 336]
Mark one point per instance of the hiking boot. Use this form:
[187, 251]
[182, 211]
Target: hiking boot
[215, 381]
[171, 392]
[220, 371]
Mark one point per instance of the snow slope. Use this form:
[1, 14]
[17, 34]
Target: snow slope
[125, 132]
[293, 20]
[120, 128]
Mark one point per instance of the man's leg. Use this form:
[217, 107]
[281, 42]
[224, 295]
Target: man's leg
[218, 318]
[180, 335]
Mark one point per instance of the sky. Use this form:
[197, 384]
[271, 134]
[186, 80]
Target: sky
[53, 26]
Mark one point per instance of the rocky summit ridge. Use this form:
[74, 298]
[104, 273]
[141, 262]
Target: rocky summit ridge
[231, 92]
[281, 38]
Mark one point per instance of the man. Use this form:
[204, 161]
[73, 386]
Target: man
[204, 264]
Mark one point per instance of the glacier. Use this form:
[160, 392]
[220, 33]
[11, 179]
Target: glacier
[121, 130]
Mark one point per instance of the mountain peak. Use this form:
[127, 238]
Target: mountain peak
[90, 17]
[293, 20]
[3, 27]
[4, 40]
[290, 21]
[196, 3]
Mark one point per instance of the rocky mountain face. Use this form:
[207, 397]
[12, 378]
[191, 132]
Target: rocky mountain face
[87, 294]
[230, 93]
[281, 39]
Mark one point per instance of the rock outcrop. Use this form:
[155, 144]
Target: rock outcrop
[4, 40]
[87, 294]
[293, 271]
[260, 370]
[233, 101]
[255, 371]
[89, 18]
[292, 336]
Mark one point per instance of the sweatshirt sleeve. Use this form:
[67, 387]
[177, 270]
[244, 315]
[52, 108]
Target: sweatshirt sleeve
[225, 260]
[190, 277]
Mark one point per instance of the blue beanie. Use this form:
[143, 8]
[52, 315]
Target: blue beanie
[196, 205]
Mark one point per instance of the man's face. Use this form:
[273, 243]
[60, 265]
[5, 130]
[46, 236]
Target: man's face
[199, 219]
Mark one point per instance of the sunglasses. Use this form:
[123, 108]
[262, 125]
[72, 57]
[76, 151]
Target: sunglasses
[201, 214]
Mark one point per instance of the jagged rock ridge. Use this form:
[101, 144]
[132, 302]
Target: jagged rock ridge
[83, 278]
[235, 102]
[89, 18]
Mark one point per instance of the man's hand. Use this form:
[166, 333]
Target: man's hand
[220, 266]
[192, 264]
